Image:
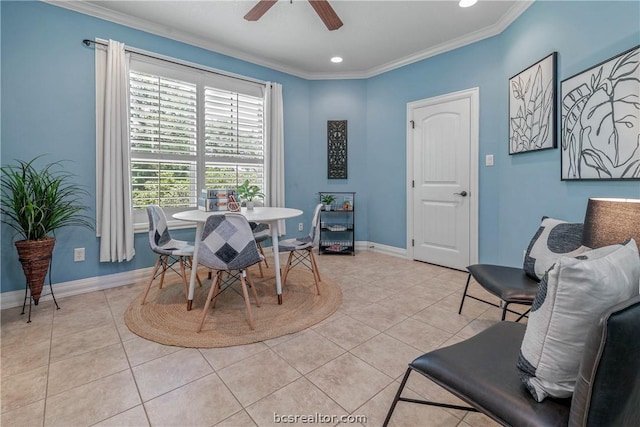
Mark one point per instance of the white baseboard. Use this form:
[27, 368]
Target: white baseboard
[384, 249]
[363, 245]
[100, 283]
[76, 287]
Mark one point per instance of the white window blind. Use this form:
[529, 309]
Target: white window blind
[187, 135]
[234, 139]
[163, 141]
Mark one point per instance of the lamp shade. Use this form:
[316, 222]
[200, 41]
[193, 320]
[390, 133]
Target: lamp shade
[611, 221]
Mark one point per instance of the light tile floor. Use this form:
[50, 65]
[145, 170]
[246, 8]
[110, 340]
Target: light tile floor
[81, 366]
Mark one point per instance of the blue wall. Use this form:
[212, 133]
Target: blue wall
[583, 34]
[48, 106]
[47, 87]
[340, 100]
[520, 189]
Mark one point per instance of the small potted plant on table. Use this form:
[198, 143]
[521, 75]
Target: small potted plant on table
[248, 192]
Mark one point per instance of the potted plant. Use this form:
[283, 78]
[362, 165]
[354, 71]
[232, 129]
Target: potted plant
[327, 200]
[248, 192]
[35, 203]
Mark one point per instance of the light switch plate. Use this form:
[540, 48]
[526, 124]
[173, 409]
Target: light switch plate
[488, 160]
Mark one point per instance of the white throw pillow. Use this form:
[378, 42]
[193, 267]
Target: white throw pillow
[553, 239]
[572, 296]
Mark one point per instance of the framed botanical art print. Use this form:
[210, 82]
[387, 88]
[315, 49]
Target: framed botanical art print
[532, 107]
[600, 124]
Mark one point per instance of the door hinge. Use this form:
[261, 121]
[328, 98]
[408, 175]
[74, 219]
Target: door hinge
[413, 184]
[413, 124]
[413, 242]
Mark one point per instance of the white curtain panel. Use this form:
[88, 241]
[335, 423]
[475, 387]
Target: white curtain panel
[114, 214]
[274, 134]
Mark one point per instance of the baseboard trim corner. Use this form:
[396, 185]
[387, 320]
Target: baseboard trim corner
[100, 283]
[383, 249]
[77, 287]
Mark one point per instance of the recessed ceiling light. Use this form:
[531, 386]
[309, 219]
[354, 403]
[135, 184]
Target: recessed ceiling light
[467, 3]
[336, 59]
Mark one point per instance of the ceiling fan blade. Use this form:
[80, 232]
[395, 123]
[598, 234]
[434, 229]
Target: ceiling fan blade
[327, 14]
[259, 9]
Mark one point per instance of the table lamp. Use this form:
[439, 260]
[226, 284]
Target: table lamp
[611, 221]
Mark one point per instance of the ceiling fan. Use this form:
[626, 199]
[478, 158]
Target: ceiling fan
[322, 8]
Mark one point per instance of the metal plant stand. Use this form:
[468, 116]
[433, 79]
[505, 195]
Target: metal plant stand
[26, 290]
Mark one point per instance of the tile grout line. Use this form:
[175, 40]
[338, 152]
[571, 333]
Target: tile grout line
[272, 347]
[126, 355]
[46, 387]
[215, 371]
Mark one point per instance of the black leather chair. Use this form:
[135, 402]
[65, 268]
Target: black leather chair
[510, 284]
[482, 372]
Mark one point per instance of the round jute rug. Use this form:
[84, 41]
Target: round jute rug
[164, 317]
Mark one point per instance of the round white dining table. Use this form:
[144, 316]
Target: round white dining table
[266, 215]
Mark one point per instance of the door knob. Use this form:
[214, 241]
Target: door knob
[462, 193]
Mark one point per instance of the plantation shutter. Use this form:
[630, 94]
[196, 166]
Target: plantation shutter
[163, 141]
[234, 139]
[191, 129]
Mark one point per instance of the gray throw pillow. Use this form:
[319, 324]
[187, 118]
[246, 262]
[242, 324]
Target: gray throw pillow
[553, 239]
[572, 296]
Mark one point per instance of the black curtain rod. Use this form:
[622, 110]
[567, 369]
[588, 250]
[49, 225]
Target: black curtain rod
[88, 42]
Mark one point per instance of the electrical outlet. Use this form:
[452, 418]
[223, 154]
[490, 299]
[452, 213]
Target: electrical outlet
[300, 226]
[78, 254]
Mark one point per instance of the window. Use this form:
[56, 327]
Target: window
[163, 135]
[234, 148]
[190, 129]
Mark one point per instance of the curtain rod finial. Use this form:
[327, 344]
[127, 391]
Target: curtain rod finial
[86, 42]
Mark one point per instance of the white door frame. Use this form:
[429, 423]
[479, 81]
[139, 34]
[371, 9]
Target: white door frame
[473, 95]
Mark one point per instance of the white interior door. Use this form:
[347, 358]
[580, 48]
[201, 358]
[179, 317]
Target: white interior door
[443, 146]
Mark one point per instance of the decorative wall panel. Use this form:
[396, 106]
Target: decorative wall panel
[337, 149]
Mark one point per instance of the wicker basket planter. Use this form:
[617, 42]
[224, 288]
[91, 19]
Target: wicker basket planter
[35, 257]
[35, 202]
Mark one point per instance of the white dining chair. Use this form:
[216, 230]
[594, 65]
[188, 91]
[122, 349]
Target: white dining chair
[261, 232]
[170, 251]
[301, 251]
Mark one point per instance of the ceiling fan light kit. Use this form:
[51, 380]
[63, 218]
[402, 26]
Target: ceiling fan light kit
[467, 3]
[322, 8]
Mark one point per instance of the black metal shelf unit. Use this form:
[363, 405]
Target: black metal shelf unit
[337, 223]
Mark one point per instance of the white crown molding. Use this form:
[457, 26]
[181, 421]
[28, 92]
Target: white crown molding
[512, 14]
[99, 12]
[170, 33]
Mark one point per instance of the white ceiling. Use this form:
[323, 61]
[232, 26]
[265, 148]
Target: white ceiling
[377, 36]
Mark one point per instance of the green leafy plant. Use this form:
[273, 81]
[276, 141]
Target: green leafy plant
[248, 192]
[37, 202]
[327, 199]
